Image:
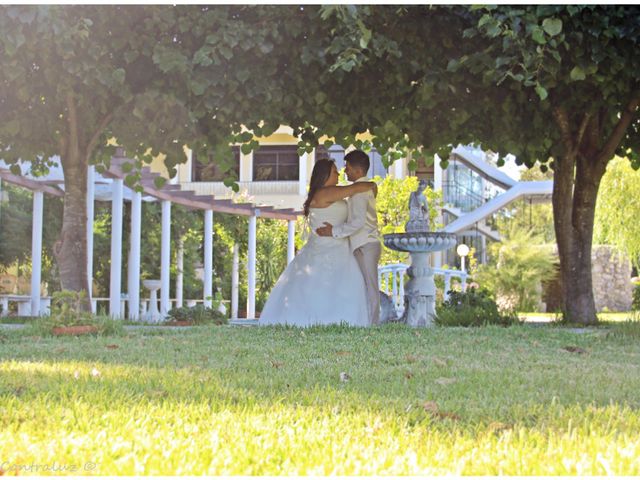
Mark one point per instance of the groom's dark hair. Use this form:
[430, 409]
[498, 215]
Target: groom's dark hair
[358, 159]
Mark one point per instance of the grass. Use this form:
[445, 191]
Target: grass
[271, 401]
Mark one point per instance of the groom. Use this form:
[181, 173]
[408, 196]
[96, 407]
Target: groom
[362, 229]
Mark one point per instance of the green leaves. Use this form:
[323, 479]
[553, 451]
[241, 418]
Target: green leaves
[537, 34]
[249, 147]
[169, 60]
[553, 26]
[541, 91]
[199, 85]
[159, 182]
[118, 75]
[577, 74]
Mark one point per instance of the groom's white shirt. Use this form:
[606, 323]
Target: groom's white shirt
[362, 221]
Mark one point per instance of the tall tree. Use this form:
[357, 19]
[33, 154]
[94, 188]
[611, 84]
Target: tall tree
[72, 77]
[556, 85]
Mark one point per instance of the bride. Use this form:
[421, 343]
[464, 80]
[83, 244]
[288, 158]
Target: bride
[323, 284]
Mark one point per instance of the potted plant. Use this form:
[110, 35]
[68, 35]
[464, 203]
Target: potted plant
[67, 315]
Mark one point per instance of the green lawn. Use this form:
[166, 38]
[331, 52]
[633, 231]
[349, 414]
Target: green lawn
[270, 401]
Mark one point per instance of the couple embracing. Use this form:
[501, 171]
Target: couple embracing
[334, 277]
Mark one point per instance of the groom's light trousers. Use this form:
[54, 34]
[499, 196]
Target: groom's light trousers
[368, 257]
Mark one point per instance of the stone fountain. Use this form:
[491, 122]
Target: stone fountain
[420, 290]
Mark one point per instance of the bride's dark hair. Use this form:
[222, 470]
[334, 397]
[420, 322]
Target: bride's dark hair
[319, 175]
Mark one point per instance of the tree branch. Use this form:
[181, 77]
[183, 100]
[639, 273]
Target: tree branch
[72, 143]
[618, 132]
[583, 127]
[96, 135]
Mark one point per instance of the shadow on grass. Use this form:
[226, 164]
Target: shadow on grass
[477, 374]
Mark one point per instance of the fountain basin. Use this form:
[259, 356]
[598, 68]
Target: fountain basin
[424, 242]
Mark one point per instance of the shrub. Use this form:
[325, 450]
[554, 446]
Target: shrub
[67, 310]
[472, 308]
[519, 264]
[198, 315]
[629, 329]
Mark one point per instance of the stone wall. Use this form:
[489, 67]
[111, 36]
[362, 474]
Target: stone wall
[611, 276]
[611, 272]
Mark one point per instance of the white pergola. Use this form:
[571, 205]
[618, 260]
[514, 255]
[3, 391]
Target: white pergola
[167, 195]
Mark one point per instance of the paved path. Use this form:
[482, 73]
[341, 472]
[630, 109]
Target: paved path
[242, 322]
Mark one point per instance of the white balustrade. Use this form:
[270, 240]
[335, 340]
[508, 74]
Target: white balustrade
[391, 279]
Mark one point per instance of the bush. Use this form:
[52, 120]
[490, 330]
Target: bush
[104, 324]
[518, 266]
[198, 315]
[629, 329]
[67, 310]
[472, 308]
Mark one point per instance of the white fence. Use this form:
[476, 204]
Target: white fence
[390, 278]
[391, 281]
[22, 304]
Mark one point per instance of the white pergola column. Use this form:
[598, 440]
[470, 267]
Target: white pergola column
[90, 216]
[302, 172]
[133, 277]
[251, 267]
[165, 258]
[36, 252]
[291, 234]
[235, 280]
[115, 287]
[208, 258]
[438, 174]
[179, 272]
[398, 168]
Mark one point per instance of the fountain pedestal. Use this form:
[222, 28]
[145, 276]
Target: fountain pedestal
[420, 290]
[152, 315]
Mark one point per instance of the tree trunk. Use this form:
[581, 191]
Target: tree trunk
[71, 248]
[573, 220]
[577, 178]
[71, 251]
[576, 181]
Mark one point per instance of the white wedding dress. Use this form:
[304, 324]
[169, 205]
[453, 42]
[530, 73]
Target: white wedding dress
[323, 284]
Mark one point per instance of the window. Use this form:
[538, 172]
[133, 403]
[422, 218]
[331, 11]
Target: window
[211, 172]
[279, 163]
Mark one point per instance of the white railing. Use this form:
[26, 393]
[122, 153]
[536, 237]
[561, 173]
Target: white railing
[252, 188]
[391, 281]
[23, 304]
